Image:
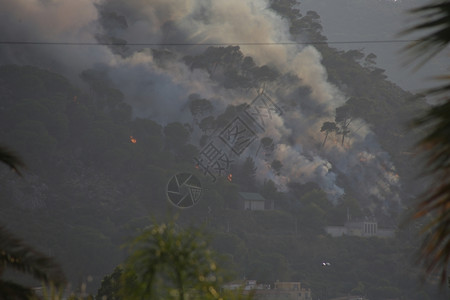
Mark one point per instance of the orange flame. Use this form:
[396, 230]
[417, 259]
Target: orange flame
[133, 140]
[230, 177]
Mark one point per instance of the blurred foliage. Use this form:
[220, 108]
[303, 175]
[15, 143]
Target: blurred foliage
[16, 255]
[168, 262]
[91, 187]
[434, 25]
[434, 207]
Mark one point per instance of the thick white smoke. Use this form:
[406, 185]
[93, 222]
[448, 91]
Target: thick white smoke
[51, 21]
[161, 91]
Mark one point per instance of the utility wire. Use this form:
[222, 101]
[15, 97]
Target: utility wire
[203, 44]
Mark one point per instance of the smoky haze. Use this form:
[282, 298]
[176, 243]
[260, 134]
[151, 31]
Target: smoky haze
[159, 91]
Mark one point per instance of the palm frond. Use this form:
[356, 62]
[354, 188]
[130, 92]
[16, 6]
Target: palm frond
[16, 255]
[434, 253]
[9, 158]
[435, 20]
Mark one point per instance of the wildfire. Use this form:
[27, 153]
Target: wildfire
[230, 177]
[133, 140]
[365, 157]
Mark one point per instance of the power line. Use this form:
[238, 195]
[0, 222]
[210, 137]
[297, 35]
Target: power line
[203, 44]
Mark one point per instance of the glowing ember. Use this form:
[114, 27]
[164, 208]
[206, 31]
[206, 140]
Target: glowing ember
[230, 177]
[133, 140]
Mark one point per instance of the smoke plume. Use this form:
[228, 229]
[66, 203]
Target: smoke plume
[159, 90]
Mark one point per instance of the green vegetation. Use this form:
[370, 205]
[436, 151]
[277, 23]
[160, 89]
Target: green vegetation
[95, 174]
[102, 186]
[168, 262]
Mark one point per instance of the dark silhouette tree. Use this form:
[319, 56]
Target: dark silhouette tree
[434, 19]
[268, 146]
[370, 61]
[263, 75]
[270, 192]
[328, 127]
[198, 107]
[207, 124]
[245, 174]
[276, 165]
[344, 118]
[228, 57]
[248, 64]
[111, 285]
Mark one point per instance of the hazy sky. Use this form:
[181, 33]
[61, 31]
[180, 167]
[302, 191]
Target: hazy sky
[352, 20]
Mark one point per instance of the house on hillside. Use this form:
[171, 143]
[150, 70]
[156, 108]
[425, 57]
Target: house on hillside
[254, 201]
[362, 228]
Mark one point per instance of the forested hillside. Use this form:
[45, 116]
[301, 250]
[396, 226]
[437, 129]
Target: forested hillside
[100, 151]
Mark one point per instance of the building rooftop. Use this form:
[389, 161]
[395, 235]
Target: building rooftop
[252, 196]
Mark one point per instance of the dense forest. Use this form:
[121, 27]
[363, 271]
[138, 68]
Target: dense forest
[97, 167]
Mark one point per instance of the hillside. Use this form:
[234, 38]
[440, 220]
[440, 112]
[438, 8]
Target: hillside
[101, 147]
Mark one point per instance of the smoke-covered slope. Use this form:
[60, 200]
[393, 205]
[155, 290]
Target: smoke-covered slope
[304, 84]
[174, 96]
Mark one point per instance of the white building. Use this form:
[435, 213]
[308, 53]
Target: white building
[254, 201]
[364, 228]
